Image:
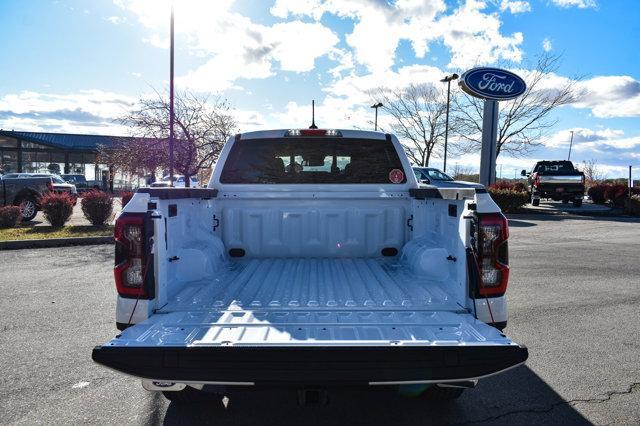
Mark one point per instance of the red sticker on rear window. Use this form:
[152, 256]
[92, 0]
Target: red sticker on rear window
[396, 176]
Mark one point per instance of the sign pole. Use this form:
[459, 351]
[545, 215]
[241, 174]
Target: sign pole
[171, 111]
[489, 138]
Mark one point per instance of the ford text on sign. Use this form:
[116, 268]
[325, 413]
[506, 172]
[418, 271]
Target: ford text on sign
[492, 83]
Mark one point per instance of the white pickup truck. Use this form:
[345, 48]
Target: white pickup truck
[312, 259]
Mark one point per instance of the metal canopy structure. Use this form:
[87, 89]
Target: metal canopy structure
[31, 152]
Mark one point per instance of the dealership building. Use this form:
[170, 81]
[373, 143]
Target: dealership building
[35, 152]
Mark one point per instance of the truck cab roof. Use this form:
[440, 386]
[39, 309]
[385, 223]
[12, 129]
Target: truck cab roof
[343, 133]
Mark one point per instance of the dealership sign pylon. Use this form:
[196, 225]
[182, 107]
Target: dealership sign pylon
[492, 85]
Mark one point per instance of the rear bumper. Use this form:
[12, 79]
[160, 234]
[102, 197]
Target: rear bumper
[548, 190]
[311, 365]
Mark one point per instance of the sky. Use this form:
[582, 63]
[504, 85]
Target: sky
[76, 66]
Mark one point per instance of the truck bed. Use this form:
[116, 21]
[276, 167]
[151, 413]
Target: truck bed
[306, 302]
[321, 321]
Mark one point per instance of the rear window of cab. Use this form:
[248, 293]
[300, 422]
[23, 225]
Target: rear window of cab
[313, 161]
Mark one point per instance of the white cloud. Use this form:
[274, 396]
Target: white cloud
[582, 4]
[547, 46]
[234, 47]
[116, 20]
[515, 6]
[617, 144]
[472, 35]
[87, 111]
[297, 45]
[345, 62]
[331, 113]
[353, 88]
[378, 26]
[562, 138]
[347, 102]
[249, 120]
[606, 96]
[611, 96]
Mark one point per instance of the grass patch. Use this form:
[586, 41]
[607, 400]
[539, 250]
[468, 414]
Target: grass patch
[47, 232]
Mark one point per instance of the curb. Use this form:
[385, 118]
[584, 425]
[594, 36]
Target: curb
[54, 242]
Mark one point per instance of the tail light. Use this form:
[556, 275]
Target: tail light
[313, 132]
[536, 180]
[133, 264]
[493, 253]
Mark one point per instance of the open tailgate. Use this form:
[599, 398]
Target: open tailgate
[319, 347]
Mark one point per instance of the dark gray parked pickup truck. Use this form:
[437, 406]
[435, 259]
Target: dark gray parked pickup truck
[24, 192]
[557, 180]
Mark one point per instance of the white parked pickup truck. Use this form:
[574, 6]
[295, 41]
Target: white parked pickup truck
[312, 259]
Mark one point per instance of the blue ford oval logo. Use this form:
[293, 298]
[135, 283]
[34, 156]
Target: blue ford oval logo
[492, 83]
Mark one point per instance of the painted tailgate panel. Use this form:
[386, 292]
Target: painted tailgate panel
[310, 328]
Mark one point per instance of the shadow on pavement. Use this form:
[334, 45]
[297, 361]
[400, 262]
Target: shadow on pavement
[518, 395]
[520, 224]
[562, 217]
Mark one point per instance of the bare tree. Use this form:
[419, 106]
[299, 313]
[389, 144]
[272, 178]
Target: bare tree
[202, 125]
[525, 121]
[592, 173]
[136, 156]
[460, 172]
[418, 118]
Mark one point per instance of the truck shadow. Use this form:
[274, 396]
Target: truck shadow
[520, 224]
[517, 396]
[570, 217]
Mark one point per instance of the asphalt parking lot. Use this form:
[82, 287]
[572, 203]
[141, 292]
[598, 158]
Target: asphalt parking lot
[574, 301]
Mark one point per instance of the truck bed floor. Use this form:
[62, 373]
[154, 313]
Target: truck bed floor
[310, 284]
[310, 302]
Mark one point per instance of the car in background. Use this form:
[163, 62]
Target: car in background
[160, 184]
[24, 191]
[59, 185]
[430, 175]
[16, 175]
[435, 177]
[178, 181]
[557, 180]
[80, 181]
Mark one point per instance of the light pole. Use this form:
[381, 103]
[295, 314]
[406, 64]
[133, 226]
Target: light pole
[447, 79]
[376, 106]
[171, 112]
[570, 145]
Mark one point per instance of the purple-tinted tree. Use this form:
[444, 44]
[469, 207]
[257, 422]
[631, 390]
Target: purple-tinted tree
[202, 124]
